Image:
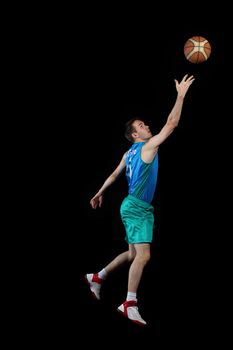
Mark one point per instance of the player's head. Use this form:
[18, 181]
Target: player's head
[136, 130]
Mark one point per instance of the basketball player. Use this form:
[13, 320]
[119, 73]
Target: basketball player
[141, 165]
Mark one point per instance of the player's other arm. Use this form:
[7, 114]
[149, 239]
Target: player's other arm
[174, 116]
[97, 200]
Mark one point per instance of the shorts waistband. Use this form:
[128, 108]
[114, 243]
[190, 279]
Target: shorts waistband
[140, 202]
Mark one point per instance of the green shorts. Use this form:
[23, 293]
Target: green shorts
[138, 219]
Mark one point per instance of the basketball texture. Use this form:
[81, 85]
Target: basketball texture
[197, 49]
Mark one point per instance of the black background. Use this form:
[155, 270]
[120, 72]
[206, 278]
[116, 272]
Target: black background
[105, 71]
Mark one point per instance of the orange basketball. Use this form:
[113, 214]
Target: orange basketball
[197, 49]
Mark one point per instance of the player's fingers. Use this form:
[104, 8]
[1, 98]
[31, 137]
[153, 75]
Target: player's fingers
[185, 77]
[191, 78]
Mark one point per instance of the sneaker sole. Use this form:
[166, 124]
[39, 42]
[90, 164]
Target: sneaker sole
[134, 321]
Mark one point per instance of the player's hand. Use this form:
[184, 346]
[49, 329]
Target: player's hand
[96, 201]
[184, 85]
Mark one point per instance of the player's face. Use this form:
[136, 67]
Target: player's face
[142, 130]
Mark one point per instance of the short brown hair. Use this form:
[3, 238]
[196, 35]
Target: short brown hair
[129, 129]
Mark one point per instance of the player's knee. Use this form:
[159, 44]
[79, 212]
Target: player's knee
[146, 256]
[143, 258]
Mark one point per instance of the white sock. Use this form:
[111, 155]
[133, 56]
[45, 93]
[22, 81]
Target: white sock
[131, 296]
[103, 274]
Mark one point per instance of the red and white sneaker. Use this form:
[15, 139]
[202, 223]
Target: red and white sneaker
[129, 309]
[94, 283]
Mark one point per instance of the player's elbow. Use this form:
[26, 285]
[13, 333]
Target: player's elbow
[172, 124]
[113, 177]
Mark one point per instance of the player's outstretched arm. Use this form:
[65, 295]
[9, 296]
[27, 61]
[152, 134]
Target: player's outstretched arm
[174, 116]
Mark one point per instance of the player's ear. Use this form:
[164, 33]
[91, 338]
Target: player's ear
[135, 134]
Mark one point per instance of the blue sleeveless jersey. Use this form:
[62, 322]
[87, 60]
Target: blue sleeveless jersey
[141, 177]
